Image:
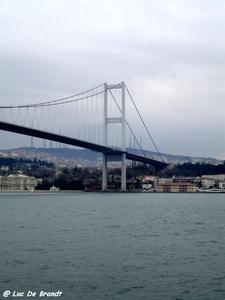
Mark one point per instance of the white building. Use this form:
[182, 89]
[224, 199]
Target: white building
[147, 178]
[220, 177]
[147, 186]
[222, 185]
[54, 189]
[164, 180]
[207, 182]
[17, 182]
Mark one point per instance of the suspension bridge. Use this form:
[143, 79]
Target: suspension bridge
[94, 119]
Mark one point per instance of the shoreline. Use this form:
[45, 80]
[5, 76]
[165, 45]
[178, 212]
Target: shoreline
[100, 191]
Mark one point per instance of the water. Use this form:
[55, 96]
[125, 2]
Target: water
[113, 246]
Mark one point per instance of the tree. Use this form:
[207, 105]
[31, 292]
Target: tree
[44, 185]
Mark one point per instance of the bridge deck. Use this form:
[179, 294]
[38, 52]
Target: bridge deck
[79, 143]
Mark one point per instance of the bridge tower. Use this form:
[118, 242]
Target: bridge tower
[121, 119]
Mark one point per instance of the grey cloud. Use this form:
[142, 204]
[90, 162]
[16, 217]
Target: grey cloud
[169, 53]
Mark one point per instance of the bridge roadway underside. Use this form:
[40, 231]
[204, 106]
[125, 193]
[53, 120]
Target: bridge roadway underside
[79, 143]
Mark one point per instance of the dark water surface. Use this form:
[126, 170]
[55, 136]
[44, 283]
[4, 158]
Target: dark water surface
[113, 246]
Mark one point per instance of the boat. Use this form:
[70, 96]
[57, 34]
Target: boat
[215, 191]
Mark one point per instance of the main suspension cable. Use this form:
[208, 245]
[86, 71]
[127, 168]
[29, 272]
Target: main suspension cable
[127, 123]
[144, 123]
[59, 101]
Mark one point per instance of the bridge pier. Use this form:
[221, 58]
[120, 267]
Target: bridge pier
[112, 157]
[123, 172]
[104, 172]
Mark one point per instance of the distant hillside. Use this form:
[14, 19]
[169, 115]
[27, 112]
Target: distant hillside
[67, 153]
[92, 156]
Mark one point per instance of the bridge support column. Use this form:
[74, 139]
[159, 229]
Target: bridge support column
[122, 121]
[123, 173]
[114, 157]
[104, 172]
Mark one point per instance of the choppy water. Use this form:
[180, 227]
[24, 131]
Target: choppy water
[113, 246]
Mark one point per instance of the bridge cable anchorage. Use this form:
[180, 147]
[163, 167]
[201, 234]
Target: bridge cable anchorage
[144, 123]
[128, 125]
[61, 101]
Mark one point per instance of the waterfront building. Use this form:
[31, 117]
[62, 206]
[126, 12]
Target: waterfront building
[147, 186]
[220, 177]
[17, 182]
[207, 182]
[176, 187]
[147, 178]
[192, 179]
[222, 185]
[164, 180]
[54, 189]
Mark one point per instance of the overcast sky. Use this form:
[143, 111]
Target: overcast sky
[170, 54]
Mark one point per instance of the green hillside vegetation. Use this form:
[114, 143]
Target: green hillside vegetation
[77, 178]
[189, 169]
